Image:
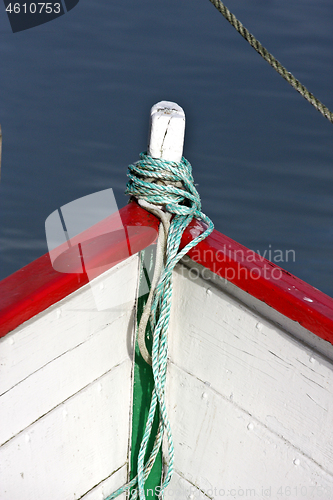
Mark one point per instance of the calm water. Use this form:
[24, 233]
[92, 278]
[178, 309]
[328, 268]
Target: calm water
[74, 104]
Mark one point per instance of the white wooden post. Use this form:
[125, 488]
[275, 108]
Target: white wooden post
[167, 130]
[165, 141]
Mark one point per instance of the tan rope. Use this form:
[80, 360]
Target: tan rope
[229, 16]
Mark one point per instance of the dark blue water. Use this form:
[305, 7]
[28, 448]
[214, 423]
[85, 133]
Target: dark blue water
[75, 96]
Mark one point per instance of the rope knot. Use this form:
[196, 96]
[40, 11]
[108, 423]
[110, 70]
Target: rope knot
[155, 182]
[167, 183]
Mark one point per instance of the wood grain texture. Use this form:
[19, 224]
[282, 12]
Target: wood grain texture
[264, 280]
[250, 398]
[254, 366]
[182, 489]
[67, 324]
[66, 382]
[57, 381]
[73, 447]
[261, 308]
[225, 452]
[167, 130]
[37, 286]
[108, 486]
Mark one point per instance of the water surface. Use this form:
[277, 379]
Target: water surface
[74, 105]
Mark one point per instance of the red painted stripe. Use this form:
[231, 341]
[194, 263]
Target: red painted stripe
[264, 280]
[37, 286]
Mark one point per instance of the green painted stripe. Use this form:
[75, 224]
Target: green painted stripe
[143, 386]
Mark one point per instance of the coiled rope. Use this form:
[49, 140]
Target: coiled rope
[296, 84]
[167, 189]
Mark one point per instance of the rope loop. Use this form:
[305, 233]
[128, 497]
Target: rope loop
[167, 190]
[167, 183]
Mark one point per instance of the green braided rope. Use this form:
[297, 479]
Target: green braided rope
[296, 84]
[150, 179]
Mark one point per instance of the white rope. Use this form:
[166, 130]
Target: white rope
[159, 264]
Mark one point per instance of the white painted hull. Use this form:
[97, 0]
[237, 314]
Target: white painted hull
[250, 404]
[249, 400]
[66, 380]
